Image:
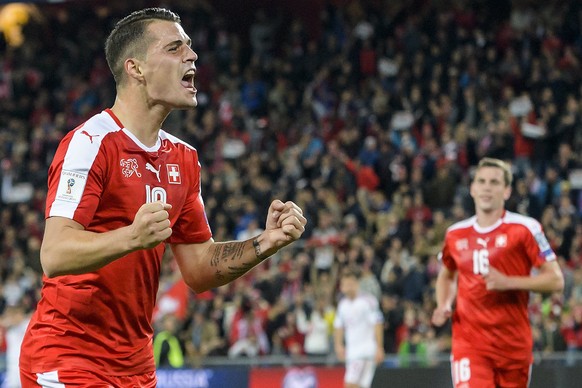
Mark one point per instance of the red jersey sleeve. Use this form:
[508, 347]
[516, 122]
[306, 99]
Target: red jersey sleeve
[445, 256]
[192, 224]
[536, 245]
[75, 179]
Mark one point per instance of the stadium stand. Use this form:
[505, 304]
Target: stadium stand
[369, 115]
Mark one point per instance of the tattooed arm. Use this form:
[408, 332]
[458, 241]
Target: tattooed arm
[212, 264]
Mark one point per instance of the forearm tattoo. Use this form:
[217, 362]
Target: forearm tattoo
[227, 251]
[226, 257]
[257, 246]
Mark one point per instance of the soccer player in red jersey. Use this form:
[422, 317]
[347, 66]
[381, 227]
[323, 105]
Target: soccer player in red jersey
[487, 264]
[120, 188]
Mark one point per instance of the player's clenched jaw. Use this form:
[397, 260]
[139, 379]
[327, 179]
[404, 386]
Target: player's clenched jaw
[168, 68]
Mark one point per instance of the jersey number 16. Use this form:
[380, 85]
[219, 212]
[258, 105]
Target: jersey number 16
[480, 261]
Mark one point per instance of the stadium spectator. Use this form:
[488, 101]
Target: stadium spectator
[247, 334]
[15, 320]
[393, 314]
[288, 339]
[315, 324]
[314, 84]
[205, 339]
[168, 348]
[413, 350]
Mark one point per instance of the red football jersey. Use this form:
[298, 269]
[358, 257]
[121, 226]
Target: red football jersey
[100, 176]
[494, 322]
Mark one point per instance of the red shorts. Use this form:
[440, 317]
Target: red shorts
[471, 369]
[80, 379]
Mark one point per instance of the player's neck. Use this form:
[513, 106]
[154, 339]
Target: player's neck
[142, 121]
[485, 219]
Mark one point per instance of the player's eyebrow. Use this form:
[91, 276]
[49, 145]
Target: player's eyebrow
[494, 180]
[179, 42]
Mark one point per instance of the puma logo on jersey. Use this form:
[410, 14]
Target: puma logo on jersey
[89, 135]
[482, 241]
[129, 167]
[151, 168]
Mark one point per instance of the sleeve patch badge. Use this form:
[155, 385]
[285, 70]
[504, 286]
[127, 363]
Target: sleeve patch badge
[71, 186]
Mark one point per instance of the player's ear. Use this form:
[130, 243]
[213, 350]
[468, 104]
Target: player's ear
[471, 189]
[132, 67]
[507, 193]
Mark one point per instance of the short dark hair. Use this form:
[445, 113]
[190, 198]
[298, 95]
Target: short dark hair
[128, 37]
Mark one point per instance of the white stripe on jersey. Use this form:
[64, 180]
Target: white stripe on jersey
[463, 224]
[534, 227]
[509, 218]
[49, 380]
[80, 155]
[530, 223]
[165, 135]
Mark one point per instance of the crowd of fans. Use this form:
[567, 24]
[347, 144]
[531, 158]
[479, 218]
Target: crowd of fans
[370, 120]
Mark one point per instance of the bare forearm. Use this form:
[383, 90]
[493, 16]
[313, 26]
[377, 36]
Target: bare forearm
[379, 334]
[80, 251]
[545, 282]
[548, 279]
[338, 338]
[445, 289]
[221, 263]
[230, 260]
[212, 264]
[68, 248]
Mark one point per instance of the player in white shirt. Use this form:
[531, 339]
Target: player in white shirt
[15, 319]
[358, 332]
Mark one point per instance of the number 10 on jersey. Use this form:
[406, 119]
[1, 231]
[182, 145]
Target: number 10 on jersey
[154, 194]
[480, 261]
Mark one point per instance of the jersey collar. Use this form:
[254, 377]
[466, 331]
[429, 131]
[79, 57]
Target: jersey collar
[487, 229]
[153, 148]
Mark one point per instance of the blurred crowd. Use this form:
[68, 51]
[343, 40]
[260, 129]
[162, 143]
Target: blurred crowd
[370, 116]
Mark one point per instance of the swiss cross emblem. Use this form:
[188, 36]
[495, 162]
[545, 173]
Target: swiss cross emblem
[462, 244]
[174, 174]
[501, 241]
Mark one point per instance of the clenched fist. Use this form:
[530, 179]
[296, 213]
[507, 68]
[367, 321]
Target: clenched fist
[151, 225]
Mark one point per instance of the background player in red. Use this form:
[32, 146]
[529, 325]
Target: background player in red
[119, 189]
[487, 264]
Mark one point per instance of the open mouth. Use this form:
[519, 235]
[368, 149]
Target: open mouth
[188, 80]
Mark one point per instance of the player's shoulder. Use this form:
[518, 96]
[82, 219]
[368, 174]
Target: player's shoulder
[86, 140]
[341, 305]
[511, 218]
[462, 225]
[176, 142]
[89, 136]
[98, 126]
[367, 298]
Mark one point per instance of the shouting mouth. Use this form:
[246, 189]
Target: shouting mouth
[188, 81]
